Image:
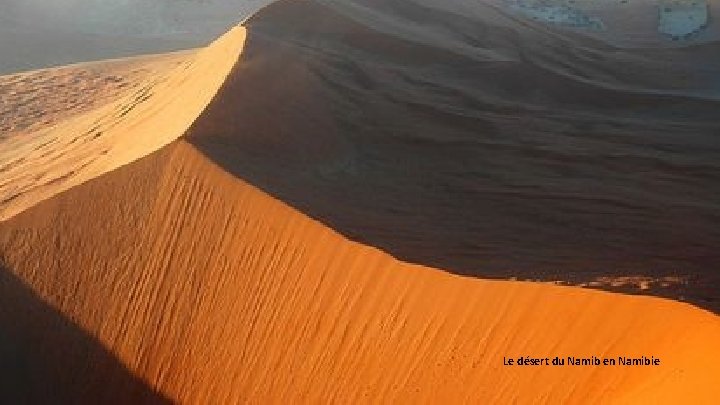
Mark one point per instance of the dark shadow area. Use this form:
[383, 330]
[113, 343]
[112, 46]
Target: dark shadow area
[476, 144]
[47, 359]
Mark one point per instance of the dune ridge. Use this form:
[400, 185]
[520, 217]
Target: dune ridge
[450, 134]
[209, 287]
[157, 112]
[212, 291]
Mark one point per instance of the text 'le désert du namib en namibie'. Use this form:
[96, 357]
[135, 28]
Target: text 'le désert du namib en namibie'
[581, 361]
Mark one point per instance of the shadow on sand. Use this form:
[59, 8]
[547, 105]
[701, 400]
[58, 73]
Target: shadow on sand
[479, 166]
[47, 359]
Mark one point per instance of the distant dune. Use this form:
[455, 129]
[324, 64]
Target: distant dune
[190, 241]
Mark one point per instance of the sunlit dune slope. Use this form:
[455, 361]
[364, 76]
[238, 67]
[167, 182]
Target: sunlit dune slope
[33, 101]
[214, 292]
[151, 115]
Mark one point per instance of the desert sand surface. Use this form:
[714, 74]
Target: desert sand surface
[212, 291]
[146, 117]
[47, 358]
[37, 100]
[458, 136]
[277, 218]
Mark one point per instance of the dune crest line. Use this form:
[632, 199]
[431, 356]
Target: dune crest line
[141, 122]
[213, 291]
[216, 236]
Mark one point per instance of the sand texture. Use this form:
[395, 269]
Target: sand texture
[239, 224]
[456, 136]
[214, 292]
[37, 100]
[147, 117]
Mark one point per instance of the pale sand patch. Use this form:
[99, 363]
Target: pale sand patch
[155, 113]
[36, 100]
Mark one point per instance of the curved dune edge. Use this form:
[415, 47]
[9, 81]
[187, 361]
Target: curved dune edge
[214, 292]
[84, 147]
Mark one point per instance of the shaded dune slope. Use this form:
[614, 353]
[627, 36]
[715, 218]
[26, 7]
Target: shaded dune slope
[465, 139]
[212, 291]
[44, 358]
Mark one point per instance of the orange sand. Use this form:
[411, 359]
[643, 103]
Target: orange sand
[211, 291]
[152, 115]
[214, 292]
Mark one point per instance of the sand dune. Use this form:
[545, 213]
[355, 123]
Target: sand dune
[214, 292]
[37, 100]
[182, 270]
[149, 116]
[457, 136]
[47, 359]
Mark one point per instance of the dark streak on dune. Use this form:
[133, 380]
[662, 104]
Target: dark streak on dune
[480, 144]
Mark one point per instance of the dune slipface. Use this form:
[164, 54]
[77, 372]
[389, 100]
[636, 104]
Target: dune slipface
[458, 136]
[176, 278]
